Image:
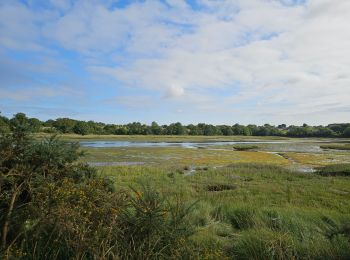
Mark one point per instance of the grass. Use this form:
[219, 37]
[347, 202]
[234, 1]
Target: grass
[317, 159]
[307, 158]
[180, 157]
[336, 146]
[296, 153]
[335, 170]
[255, 211]
[232, 205]
[246, 204]
[243, 147]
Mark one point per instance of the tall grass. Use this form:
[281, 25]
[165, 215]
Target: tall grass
[335, 170]
[272, 213]
[336, 146]
[244, 147]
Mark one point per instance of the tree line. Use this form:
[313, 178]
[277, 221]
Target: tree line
[72, 126]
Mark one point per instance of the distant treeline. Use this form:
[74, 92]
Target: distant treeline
[67, 125]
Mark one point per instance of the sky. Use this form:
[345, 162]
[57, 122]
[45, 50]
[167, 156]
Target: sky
[211, 61]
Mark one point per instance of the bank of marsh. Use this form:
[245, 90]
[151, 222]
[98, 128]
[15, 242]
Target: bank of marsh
[247, 202]
[262, 210]
[206, 202]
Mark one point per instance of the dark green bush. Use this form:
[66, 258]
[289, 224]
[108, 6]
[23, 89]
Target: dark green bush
[244, 147]
[336, 146]
[220, 187]
[54, 208]
[335, 170]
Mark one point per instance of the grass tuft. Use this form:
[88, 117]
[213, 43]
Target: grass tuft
[335, 170]
[244, 147]
[336, 146]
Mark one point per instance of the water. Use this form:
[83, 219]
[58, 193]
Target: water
[115, 163]
[102, 144]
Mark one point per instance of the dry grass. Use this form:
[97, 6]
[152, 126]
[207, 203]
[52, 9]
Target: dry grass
[180, 156]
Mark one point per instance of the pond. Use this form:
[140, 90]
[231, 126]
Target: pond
[103, 144]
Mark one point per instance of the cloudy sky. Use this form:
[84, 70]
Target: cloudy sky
[213, 61]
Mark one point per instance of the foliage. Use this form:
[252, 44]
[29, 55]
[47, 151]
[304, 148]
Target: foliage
[255, 211]
[335, 170]
[336, 146]
[54, 208]
[243, 147]
[67, 125]
[154, 228]
[81, 128]
[346, 132]
[4, 124]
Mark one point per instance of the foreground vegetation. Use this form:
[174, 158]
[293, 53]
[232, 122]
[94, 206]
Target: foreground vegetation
[247, 211]
[53, 206]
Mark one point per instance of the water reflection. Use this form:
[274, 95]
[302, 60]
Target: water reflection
[102, 144]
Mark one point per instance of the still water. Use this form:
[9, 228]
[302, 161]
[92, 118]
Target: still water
[101, 144]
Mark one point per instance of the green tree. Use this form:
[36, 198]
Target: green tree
[94, 127]
[322, 131]
[193, 130]
[81, 128]
[238, 129]
[175, 129]
[338, 129]
[226, 130]
[247, 131]
[210, 130]
[254, 129]
[109, 129]
[35, 124]
[4, 124]
[64, 125]
[155, 128]
[135, 128]
[296, 131]
[122, 130]
[346, 132]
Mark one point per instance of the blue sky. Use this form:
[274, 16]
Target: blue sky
[213, 61]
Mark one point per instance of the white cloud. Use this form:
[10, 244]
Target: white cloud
[174, 91]
[135, 101]
[35, 93]
[16, 25]
[63, 5]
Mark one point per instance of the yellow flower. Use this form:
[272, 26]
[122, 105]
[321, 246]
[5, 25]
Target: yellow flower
[138, 194]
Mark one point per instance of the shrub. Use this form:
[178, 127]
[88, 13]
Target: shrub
[243, 147]
[50, 206]
[336, 147]
[54, 208]
[153, 227]
[335, 170]
[220, 187]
